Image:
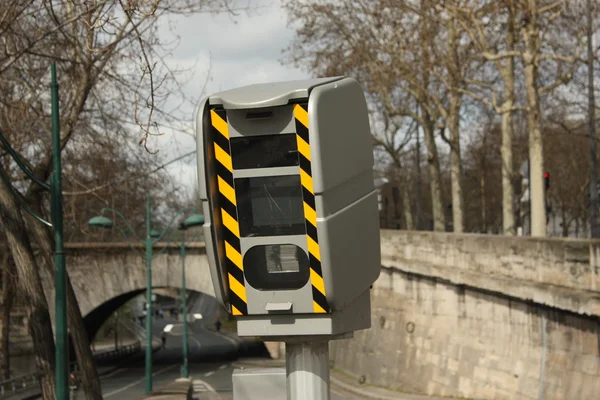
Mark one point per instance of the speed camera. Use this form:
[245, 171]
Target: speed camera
[291, 216]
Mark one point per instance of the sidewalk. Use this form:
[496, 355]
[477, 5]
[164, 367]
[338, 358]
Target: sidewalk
[342, 381]
[33, 389]
[246, 346]
[180, 389]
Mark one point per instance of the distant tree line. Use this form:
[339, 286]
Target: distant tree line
[485, 86]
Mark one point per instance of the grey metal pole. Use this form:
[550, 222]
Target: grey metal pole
[60, 271]
[148, 298]
[594, 204]
[419, 185]
[307, 370]
[184, 369]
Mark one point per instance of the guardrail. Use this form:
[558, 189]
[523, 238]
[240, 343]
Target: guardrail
[18, 384]
[24, 382]
[121, 351]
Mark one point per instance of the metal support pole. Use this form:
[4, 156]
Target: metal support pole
[594, 201]
[419, 185]
[148, 298]
[60, 274]
[184, 369]
[307, 370]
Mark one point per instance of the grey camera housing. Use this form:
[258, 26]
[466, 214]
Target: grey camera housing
[291, 214]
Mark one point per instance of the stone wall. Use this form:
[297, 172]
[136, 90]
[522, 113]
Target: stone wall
[431, 336]
[561, 273]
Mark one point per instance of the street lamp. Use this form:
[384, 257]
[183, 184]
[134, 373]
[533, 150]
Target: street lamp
[56, 224]
[194, 220]
[152, 237]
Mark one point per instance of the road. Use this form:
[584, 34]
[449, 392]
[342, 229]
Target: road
[211, 365]
[210, 360]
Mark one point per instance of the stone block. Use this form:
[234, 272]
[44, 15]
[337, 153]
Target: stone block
[574, 386]
[589, 365]
[559, 360]
[452, 365]
[589, 341]
[480, 374]
[528, 387]
[441, 377]
[465, 386]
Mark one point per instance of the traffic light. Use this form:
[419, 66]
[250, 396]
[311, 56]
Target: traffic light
[546, 180]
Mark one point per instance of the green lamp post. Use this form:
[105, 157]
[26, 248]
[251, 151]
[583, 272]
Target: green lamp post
[56, 211]
[152, 237]
[194, 220]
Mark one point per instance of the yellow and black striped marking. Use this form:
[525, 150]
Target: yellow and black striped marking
[229, 231]
[310, 214]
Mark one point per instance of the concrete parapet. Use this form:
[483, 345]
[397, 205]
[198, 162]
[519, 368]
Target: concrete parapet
[180, 389]
[561, 273]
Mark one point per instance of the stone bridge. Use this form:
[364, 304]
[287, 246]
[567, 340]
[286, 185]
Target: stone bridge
[473, 316]
[106, 275]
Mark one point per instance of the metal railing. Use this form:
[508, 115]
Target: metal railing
[18, 384]
[21, 383]
[121, 351]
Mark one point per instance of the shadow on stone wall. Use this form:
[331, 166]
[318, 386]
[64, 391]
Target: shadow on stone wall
[436, 338]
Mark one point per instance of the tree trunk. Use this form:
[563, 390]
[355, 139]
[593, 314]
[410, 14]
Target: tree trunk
[419, 189]
[508, 207]
[8, 294]
[456, 175]
[40, 325]
[508, 76]
[406, 206]
[437, 210]
[433, 162]
[79, 335]
[408, 219]
[454, 127]
[565, 225]
[483, 205]
[534, 118]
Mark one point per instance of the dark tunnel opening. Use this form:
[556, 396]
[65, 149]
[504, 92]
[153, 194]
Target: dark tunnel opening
[95, 319]
[197, 301]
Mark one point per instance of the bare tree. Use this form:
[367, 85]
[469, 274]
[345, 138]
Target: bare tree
[392, 135]
[535, 16]
[471, 16]
[111, 75]
[30, 283]
[375, 42]
[8, 293]
[534, 33]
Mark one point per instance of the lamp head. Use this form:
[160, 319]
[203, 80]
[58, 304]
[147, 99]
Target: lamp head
[191, 221]
[100, 222]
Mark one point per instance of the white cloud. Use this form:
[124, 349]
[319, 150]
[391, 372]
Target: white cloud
[240, 50]
[262, 32]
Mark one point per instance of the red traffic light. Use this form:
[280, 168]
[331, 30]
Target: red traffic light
[546, 175]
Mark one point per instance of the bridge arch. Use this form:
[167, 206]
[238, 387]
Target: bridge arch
[107, 275]
[200, 302]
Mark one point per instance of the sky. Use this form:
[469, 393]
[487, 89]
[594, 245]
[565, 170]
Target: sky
[224, 52]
